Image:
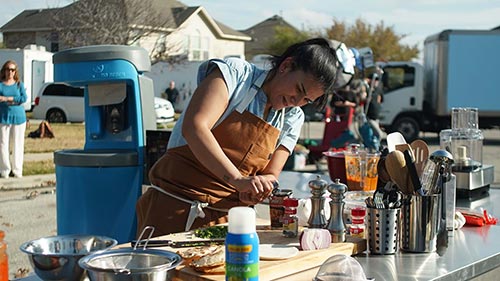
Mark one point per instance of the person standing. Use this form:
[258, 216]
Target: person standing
[374, 106]
[172, 93]
[12, 120]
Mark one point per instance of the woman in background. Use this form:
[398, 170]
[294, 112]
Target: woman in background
[12, 120]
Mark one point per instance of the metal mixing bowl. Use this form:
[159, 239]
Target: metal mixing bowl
[129, 264]
[56, 257]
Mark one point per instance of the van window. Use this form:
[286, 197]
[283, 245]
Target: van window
[63, 90]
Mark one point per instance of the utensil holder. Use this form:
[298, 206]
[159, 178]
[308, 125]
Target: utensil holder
[383, 231]
[420, 223]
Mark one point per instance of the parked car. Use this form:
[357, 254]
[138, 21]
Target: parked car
[61, 103]
[164, 110]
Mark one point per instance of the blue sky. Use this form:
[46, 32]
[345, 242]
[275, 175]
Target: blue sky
[416, 18]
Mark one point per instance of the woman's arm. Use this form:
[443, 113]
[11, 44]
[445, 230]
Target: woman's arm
[278, 161]
[207, 105]
[17, 99]
[22, 97]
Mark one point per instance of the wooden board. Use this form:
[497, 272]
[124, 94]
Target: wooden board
[276, 270]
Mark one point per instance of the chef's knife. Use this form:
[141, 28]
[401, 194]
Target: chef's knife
[417, 186]
[176, 244]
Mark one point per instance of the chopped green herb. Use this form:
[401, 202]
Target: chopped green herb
[212, 232]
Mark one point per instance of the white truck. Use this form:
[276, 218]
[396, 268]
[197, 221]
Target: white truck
[460, 69]
[35, 68]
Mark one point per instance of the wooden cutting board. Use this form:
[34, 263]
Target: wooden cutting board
[305, 262]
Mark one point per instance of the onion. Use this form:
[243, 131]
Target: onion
[315, 239]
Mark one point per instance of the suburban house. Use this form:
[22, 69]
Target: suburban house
[262, 34]
[196, 35]
[199, 35]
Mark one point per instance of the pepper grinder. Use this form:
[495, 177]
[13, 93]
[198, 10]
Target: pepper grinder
[336, 223]
[317, 218]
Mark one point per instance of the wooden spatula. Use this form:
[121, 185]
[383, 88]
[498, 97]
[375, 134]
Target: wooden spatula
[421, 154]
[395, 164]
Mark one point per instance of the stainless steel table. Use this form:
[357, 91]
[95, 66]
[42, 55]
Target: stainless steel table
[472, 251]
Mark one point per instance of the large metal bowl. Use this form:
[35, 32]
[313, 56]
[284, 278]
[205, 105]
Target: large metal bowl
[56, 257]
[129, 264]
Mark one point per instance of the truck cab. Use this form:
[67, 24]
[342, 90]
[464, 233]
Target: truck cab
[402, 105]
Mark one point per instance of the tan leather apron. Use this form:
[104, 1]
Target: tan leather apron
[246, 139]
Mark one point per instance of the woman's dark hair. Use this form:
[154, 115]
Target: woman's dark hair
[315, 56]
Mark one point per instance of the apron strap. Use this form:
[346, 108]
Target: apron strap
[252, 92]
[196, 209]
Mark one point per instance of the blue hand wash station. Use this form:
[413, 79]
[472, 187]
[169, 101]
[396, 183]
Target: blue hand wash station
[98, 186]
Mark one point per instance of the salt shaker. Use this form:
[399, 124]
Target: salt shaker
[317, 218]
[336, 223]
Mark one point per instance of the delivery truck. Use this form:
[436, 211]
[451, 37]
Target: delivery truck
[460, 69]
[35, 68]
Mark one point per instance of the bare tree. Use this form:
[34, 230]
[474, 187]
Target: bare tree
[118, 22]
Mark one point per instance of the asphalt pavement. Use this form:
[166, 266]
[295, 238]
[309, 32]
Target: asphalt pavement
[28, 204]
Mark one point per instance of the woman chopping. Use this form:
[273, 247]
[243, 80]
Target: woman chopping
[230, 144]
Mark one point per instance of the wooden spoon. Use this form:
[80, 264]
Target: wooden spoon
[421, 153]
[395, 164]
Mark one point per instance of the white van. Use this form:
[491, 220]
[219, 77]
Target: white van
[61, 103]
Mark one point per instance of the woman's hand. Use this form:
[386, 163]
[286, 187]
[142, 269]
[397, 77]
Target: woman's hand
[6, 99]
[255, 189]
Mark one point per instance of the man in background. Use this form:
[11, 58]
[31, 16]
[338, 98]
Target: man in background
[171, 93]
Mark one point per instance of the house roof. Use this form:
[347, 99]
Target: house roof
[39, 20]
[30, 20]
[263, 33]
[268, 26]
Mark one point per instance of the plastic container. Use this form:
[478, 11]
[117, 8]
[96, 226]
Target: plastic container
[464, 140]
[242, 245]
[4, 260]
[361, 168]
[358, 227]
[464, 118]
[466, 146]
[290, 219]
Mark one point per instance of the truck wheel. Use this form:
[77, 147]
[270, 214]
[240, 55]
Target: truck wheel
[56, 116]
[408, 127]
